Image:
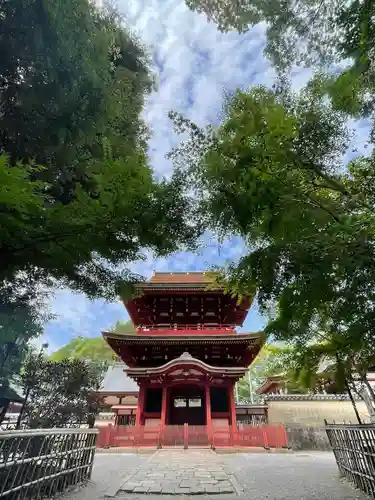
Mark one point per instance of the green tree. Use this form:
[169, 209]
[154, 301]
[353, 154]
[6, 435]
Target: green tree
[60, 393]
[92, 202]
[346, 364]
[82, 244]
[85, 348]
[91, 348]
[78, 198]
[272, 360]
[123, 327]
[311, 33]
[301, 31]
[273, 173]
[23, 312]
[64, 90]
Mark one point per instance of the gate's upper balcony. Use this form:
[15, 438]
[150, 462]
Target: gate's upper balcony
[178, 312]
[186, 302]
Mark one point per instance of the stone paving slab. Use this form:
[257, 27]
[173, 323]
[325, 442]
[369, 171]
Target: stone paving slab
[294, 476]
[180, 472]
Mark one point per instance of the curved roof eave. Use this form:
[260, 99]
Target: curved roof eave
[185, 360]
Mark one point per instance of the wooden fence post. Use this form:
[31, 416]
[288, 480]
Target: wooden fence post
[265, 438]
[110, 436]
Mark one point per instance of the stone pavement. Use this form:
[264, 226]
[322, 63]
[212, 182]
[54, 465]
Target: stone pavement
[255, 476]
[179, 472]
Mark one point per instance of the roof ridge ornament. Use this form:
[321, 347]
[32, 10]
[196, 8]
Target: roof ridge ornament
[186, 355]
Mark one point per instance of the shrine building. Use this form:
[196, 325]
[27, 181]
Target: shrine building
[186, 355]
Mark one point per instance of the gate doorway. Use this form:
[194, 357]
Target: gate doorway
[185, 436]
[186, 406]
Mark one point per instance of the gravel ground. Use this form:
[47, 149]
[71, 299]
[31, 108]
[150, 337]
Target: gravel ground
[307, 476]
[109, 473]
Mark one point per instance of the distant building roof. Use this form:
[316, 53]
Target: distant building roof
[188, 277]
[116, 380]
[9, 394]
[270, 383]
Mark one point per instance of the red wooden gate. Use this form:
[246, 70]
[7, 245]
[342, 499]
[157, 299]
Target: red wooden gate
[197, 435]
[172, 435]
[273, 436]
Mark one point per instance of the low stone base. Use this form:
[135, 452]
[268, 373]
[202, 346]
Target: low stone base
[125, 449]
[252, 449]
[307, 438]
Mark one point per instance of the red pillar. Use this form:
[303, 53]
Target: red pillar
[164, 407]
[232, 410]
[163, 419]
[140, 407]
[208, 413]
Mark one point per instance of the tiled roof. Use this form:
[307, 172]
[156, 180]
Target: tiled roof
[116, 380]
[269, 382]
[230, 338]
[310, 397]
[10, 394]
[188, 277]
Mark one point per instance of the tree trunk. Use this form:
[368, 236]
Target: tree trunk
[346, 382]
[19, 419]
[353, 402]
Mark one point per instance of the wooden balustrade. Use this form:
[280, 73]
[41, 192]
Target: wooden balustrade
[268, 436]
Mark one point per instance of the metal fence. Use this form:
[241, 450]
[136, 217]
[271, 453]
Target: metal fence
[39, 463]
[354, 449]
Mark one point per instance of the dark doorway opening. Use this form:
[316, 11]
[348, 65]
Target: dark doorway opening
[219, 400]
[186, 405]
[153, 400]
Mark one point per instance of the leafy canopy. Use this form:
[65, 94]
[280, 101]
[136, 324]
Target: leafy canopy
[298, 31]
[85, 348]
[337, 36]
[63, 90]
[78, 198]
[91, 348]
[123, 327]
[84, 243]
[273, 173]
[272, 360]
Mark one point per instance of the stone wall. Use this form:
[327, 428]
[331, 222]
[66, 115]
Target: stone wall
[307, 438]
[304, 415]
[311, 411]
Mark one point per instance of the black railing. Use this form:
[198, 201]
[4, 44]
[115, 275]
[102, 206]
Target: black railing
[354, 449]
[39, 463]
[189, 326]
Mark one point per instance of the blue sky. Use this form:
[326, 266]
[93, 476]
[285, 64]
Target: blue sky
[193, 64]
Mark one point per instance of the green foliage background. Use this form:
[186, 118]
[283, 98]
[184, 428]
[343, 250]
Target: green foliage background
[91, 348]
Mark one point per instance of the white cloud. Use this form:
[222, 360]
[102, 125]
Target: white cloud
[194, 64]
